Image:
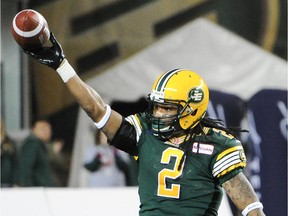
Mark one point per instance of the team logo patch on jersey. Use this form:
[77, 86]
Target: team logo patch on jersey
[196, 95]
[202, 148]
[242, 156]
[176, 141]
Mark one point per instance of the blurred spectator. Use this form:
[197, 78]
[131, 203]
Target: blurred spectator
[58, 167]
[108, 165]
[34, 170]
[8, 153]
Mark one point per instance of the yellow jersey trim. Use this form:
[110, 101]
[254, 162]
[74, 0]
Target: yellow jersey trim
[227, 151]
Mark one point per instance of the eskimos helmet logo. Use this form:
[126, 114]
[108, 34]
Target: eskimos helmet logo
[196, 95]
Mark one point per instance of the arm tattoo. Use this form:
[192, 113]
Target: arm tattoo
[240, 191]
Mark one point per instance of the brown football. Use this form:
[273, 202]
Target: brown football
[30, 29]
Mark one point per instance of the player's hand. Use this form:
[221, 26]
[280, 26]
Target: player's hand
[50, 56]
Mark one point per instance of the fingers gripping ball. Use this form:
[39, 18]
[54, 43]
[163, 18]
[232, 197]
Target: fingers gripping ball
[30, 29]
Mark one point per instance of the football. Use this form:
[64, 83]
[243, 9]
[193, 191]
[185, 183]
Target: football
[30, 29]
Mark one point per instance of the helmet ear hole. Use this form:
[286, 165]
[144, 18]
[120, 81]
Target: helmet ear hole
[194, 112]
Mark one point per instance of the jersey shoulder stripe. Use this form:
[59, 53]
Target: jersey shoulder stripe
[135, 121]
[227, 151]
[229, 168]
[229, 160]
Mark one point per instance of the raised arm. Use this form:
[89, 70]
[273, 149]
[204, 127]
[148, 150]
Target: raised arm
[94, 106]
[106, 119]
[243, 196]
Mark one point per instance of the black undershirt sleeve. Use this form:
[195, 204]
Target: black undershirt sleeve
[125, 138]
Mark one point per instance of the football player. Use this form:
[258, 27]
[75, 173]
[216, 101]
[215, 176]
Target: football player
[185, 158]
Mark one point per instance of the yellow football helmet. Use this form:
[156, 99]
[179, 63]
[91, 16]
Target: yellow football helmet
[188, 91]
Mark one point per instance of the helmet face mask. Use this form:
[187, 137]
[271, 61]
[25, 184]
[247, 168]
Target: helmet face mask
[164, 125]
[181, 88]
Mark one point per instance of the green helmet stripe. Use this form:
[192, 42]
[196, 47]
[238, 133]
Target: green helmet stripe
[164, 79]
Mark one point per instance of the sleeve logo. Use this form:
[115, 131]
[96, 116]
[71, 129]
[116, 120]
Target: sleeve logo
[242, 156]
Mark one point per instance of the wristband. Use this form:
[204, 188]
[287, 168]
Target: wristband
[105, 118]
[66, 71]
[251, 207]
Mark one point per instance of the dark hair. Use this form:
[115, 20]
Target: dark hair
[218, 124]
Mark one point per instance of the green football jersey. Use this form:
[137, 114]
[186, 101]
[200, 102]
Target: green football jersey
[194, 189]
